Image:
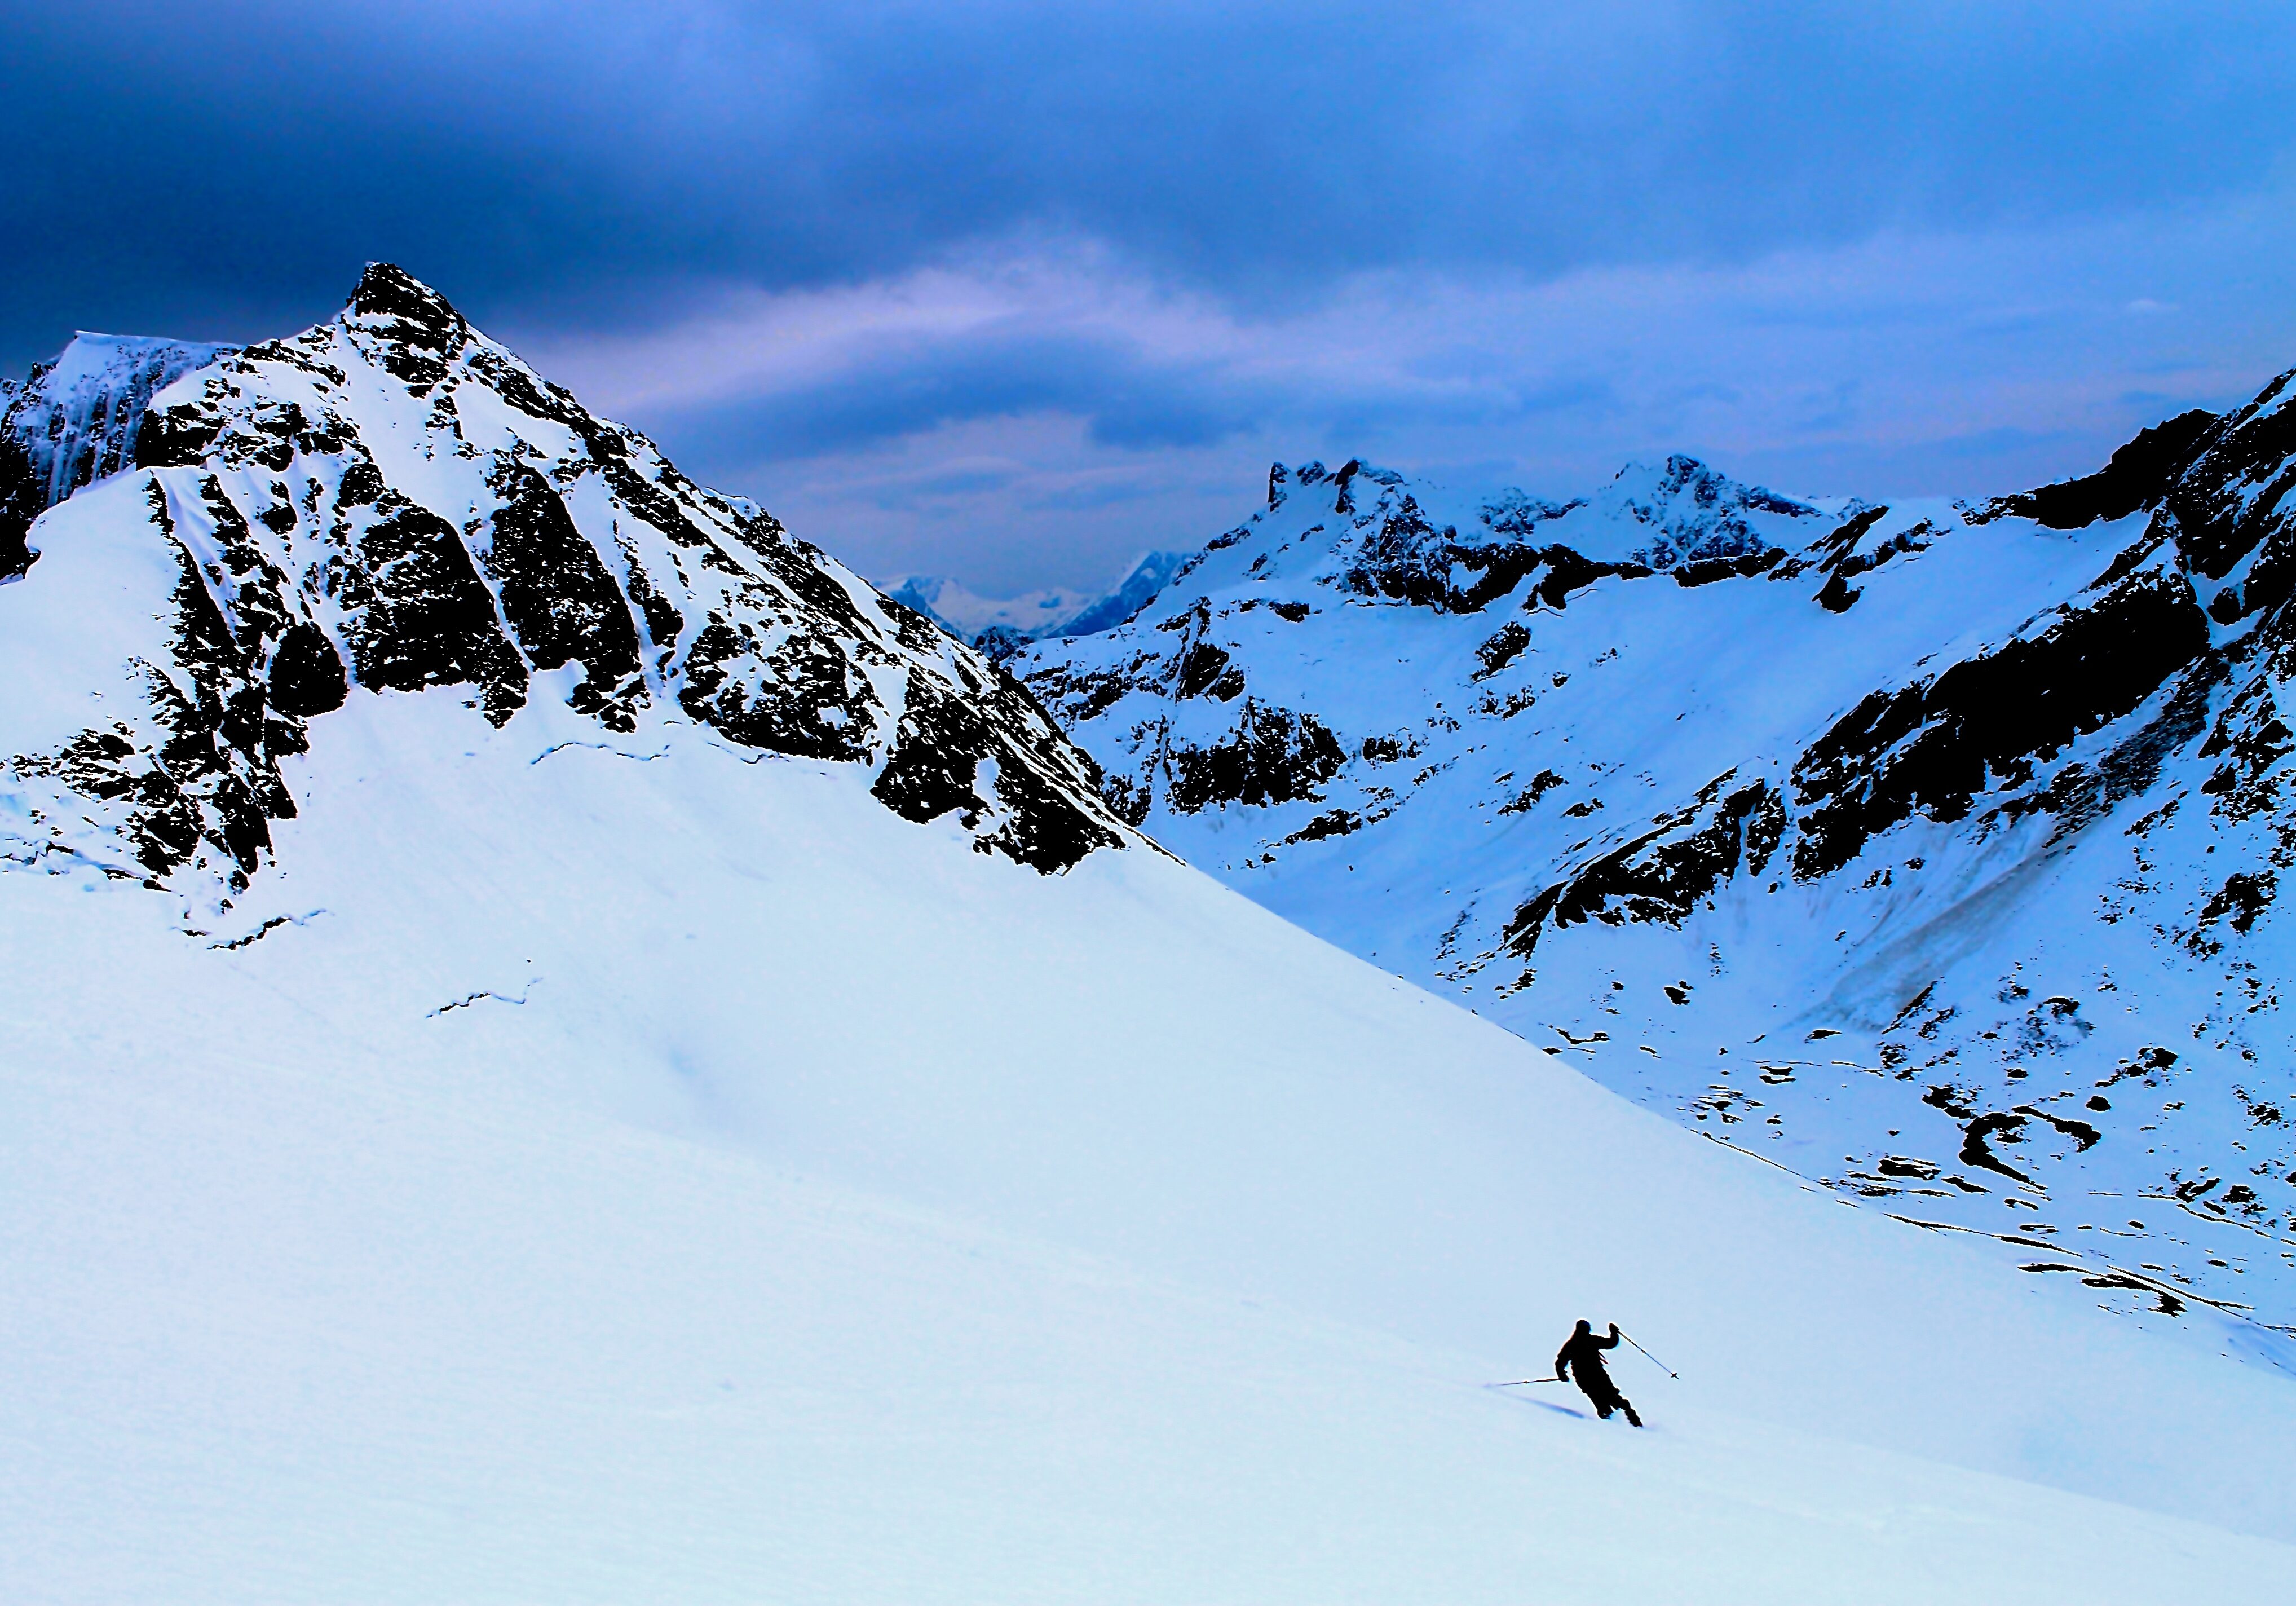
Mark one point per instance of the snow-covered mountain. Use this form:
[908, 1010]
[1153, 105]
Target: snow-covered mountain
[610, 1137]
[74, 421]
[1001, 624]
[392, 502]
[1927, 850]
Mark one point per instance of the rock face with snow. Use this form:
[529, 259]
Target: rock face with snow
[391, 503]
[1932, 851]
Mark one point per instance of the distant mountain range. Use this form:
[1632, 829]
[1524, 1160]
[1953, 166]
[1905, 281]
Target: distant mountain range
[1002, 625]
[1932, 850]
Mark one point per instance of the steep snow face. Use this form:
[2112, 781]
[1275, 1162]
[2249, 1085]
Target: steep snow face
[1000, 624]
[74, 422]
[604, 1167]
[390, 503]
[1929, 851]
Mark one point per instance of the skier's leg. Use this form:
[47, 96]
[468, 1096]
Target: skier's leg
[1627, 1405]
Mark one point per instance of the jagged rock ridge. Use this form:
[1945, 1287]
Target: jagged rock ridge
[391, 503]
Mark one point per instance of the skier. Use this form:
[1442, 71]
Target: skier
[1580, 1360]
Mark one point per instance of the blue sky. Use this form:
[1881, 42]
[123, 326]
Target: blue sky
[1013, 292]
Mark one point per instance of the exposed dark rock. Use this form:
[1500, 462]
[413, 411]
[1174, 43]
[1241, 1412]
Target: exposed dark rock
[76, 421]
[1273, 755]
[23, 497]
[1408, 559]
[2244, 895]
[937, 749]
[1541, 783]
[417, 615]
[1845, 554]
[1568, 571]
[415, 329]
[808, 706]
[560, 601]
[1978, 1136]
[2137, 477]
[2084, 1135]
[1664, 874]
[1200, 669]
[939, 745]
[1502, 649]
[2228, 502]
[1335, 822]
[307, 674]
[1933, 746]
[1744, 567]
[2079, 794]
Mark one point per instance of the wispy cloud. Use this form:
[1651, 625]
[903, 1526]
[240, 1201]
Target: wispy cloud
[960, 413]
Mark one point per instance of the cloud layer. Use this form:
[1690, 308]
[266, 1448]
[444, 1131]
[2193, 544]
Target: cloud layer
[1008, 289]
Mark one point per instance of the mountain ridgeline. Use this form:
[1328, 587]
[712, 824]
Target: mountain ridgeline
[390, 503]
[1933, 850]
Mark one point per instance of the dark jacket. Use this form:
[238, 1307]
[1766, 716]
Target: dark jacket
[1584, 1351]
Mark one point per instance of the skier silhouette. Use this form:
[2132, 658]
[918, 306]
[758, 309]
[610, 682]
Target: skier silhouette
[1580, 1360]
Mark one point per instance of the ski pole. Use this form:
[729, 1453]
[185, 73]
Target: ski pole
[1653, 1359]
[1519, 1382]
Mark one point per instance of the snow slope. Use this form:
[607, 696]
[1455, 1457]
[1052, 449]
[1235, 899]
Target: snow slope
[1929, 851]
[626, 1171]
[629, 1134]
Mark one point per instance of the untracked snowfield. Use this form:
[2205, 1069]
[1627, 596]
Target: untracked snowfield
[635, 1170]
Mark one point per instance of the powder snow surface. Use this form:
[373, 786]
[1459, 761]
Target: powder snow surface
[588, 1168]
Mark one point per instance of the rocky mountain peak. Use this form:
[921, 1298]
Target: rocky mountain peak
[1694, 513]
[392, 504]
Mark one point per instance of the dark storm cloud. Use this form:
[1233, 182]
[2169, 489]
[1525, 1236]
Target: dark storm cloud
[225, 168]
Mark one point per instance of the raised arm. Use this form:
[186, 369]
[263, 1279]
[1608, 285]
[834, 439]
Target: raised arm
[1611, 1342]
